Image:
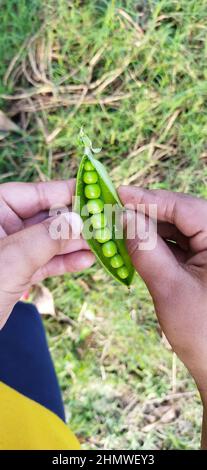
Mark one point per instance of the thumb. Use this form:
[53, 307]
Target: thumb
[150, 255]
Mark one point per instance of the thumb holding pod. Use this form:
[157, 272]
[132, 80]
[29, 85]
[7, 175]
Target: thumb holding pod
[149, 253]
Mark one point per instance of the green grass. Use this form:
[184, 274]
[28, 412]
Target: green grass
[153, 135]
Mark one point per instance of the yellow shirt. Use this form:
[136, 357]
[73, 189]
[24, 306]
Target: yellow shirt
[27, 425]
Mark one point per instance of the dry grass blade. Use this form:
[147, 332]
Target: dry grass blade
[93, 61]
[55, 102]
[43, 299]
[6, 175]
[15, 59]
[41, 175]
[7, 125]
[53, 134]
[13, 62]
[40, 89]
[169, 398]
[172, 396]
[159, 154]
[170, 122]
[97, 56]
[112, 77]
[34, 66]
[136, 152]
[3, 135]
[40, 123]
[39, 61]
[17, 74]
[100, 80]
[27, 74]
[140, 174]
[168, 416]
[56, 131]
[42, 59]
[174, 372]
[128, 18]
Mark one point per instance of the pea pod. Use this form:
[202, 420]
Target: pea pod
[94, 189]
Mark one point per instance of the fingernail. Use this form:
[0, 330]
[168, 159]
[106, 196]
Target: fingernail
[88, 259]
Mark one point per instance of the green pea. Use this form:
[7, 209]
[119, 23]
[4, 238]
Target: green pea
[109, 249]
[90, 177]
[98, 221]
[95, 206]
[123, 272]
[116, 261]
[103, 235]
[88, 166]
[92, 191]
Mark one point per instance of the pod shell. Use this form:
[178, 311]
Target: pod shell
[109, 196]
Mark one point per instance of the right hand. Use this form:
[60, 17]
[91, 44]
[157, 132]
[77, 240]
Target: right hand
[176, 273]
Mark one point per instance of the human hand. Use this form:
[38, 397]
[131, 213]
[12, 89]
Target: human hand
[175, 272]
[28, 254]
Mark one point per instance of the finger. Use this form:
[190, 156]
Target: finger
[24, 200]
[156, 265]
[42, 215]
[33, 247]
[69, 263]
[188, 213]
[36, 219]
[2, 232]
[74, 245]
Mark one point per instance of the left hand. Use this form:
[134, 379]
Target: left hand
[28, 254]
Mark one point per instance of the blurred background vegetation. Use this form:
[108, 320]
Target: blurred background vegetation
[133, 73]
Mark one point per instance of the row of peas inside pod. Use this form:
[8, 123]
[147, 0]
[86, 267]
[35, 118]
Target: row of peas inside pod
[94, 193]
[103, 233]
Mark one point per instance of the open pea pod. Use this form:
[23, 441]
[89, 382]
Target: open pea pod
[94, 193]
